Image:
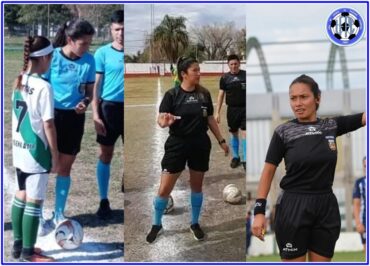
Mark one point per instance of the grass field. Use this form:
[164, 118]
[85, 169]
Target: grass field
[102, 237]
[338, 257]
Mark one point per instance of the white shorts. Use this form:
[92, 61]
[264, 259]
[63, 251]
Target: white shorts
[35, 185]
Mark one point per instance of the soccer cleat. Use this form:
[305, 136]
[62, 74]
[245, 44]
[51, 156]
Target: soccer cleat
[197, 232]
[235, 162]
[244, 165]
[154, 232]
[170, 207]
[46, 227]
[36, 258]
[104, 211]
[58, 218]
[16, 251]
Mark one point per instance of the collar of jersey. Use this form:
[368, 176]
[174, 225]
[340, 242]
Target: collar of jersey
[35, 75]
[307, 123]
[121, 51]
[65, 56]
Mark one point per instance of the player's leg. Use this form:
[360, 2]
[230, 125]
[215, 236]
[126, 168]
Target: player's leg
[17, 211]
[196, 202]
[168, 181]
[234, 136]
[36, 186]
[103, 176]
[70, 129]
[173, 163]
[198, 162]
[298, 259]
[243, 125]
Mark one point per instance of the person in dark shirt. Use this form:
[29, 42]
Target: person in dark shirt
[233, 84]
[307, 218]
[359, 205]
[188, 112]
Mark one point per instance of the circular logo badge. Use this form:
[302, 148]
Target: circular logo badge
[345, 27]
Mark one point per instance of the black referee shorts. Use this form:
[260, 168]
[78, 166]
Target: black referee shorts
[194, 151]
[307, 222]
[236, 118]
[112, 115]
[70, 129]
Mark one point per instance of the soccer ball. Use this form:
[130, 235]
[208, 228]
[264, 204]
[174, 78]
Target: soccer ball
[170, 206]
[232, 194]
[69, 234]
[345, 26]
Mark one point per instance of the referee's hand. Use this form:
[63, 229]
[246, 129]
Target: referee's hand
[258, 227]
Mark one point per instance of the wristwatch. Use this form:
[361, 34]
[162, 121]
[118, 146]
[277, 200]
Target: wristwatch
[222, 141]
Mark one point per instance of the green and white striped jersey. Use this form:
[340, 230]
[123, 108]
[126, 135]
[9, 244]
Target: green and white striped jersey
[31, 106]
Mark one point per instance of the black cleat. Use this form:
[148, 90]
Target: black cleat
[235, 162]
[244, 166]
[154, 232]
[197, 232]
[104, 211]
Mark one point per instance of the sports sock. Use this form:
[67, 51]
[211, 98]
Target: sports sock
[244, 147]
[17, 217]
[62, 186]
[234, 143]
[196, 200]
[159, 206]
[30, 224]
[102, 175]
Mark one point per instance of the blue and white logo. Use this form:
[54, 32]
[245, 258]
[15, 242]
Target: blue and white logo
[345, 27]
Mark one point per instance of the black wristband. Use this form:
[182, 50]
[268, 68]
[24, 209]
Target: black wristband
[222, 141]
[260, 206]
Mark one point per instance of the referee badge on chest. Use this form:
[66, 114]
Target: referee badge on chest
[204, 111]
[331, 142]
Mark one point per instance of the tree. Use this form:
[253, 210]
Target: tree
[215, 41]
[11, 15]
[170, 38]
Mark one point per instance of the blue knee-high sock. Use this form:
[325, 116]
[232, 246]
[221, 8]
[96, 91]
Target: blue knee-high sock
[196, 200]
[61, 193]
[102, 175]
[159, 206]
[244, 147]
[234, 143]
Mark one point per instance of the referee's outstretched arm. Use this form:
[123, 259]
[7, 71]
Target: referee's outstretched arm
[259, 223]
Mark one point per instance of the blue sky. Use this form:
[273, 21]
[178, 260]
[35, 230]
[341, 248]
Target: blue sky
[137, 18]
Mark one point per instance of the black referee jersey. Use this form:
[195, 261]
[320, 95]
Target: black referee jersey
[234, 86]
[309, 151]
[193, 108]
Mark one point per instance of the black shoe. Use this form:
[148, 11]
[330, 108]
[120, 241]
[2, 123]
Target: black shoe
[154, 232]
[197, 232]
[244, 166]
[235, 162]
[104, 211]
[17, 249]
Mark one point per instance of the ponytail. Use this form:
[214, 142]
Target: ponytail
[31, 44]
[26, 58]
[60, 38]
[75, 29]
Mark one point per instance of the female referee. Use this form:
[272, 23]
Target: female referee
[188, 112]
[307, 217]
[35, 152]
[72, 77]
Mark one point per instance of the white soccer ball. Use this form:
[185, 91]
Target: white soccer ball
[69, 234]
[232, 194]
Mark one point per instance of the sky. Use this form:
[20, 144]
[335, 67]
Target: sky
[295, 22]
[138, 17]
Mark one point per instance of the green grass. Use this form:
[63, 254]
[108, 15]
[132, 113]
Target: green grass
[338, 257]
[143, 90]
